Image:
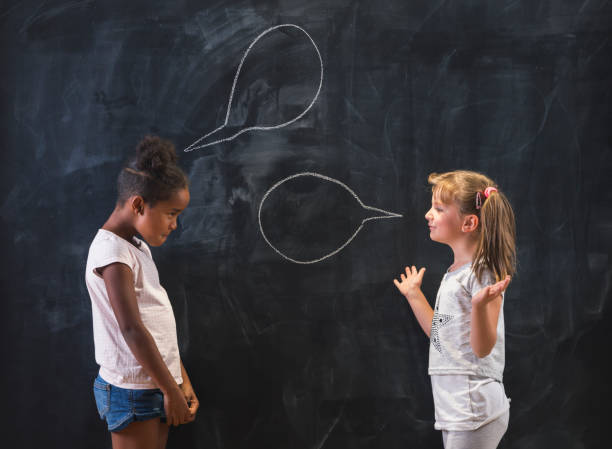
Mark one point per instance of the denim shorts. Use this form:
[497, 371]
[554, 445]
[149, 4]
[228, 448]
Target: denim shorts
[120, 406]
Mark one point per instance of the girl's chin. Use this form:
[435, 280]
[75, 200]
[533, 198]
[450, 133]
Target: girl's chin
[159, 241]
[432, 237]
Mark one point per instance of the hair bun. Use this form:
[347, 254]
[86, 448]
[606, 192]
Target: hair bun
[153, 154]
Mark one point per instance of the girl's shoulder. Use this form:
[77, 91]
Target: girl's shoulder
[473, 283]
[107, 243]
[467, 278]
[105, 239]
[109, 238]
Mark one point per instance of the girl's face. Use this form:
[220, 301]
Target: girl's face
[157, 222]
[444, 221]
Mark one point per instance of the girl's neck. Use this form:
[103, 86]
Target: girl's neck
[463, 252]
[118, 224]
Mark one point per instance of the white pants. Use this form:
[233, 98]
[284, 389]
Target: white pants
[486, 437]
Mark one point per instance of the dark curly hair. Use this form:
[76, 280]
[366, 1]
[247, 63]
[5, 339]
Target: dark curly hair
[152, 174]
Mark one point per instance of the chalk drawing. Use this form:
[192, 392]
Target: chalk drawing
[197, 144]
[385, 215]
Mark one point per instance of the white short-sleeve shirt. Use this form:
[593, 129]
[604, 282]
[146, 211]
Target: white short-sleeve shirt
[118, 365]
[468, 391]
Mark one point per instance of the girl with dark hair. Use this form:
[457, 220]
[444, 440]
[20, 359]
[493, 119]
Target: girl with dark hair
[142, 380]
[466, 326]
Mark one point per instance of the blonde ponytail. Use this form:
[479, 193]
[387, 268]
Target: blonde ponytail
[496, 248]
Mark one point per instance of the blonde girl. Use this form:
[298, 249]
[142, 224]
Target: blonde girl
[470, 214]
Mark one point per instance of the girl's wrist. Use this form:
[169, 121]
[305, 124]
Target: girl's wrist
[479, 305]
[167, 389]
[412, 294]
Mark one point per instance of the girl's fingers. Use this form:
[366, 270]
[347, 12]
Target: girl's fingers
[194, 406]
[193, 410]
[412, 271]
[397, 284]
[504, 282]
[496, 289]
[488, 293]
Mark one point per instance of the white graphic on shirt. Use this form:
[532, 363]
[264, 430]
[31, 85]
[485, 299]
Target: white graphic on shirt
[439, 320]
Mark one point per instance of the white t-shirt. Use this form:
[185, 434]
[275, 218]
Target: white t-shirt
[118, 365]
[468, 390]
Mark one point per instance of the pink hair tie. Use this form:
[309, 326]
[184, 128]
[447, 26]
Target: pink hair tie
[488, 191]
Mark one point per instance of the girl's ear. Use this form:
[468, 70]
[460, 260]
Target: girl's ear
[137, 205]
[470, 223]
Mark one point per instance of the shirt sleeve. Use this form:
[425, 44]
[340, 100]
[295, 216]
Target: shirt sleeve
[108, 251]
[474, 285]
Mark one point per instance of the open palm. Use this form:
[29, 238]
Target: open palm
[490, 292]
[411, 281]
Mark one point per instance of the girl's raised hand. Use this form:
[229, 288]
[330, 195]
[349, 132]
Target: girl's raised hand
[410, 282]
[490, 292]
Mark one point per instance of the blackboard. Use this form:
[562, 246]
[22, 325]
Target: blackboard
[325, 354]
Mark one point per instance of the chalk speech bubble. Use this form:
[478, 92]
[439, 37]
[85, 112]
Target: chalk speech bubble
[385, 215]
[198, 143]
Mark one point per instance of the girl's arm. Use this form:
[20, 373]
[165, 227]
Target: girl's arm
[410, 287]
[119, 282]
[190, 396]
[486, 305]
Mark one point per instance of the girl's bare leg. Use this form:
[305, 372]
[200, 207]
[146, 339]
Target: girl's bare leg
[138, 435]
[163, 435]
